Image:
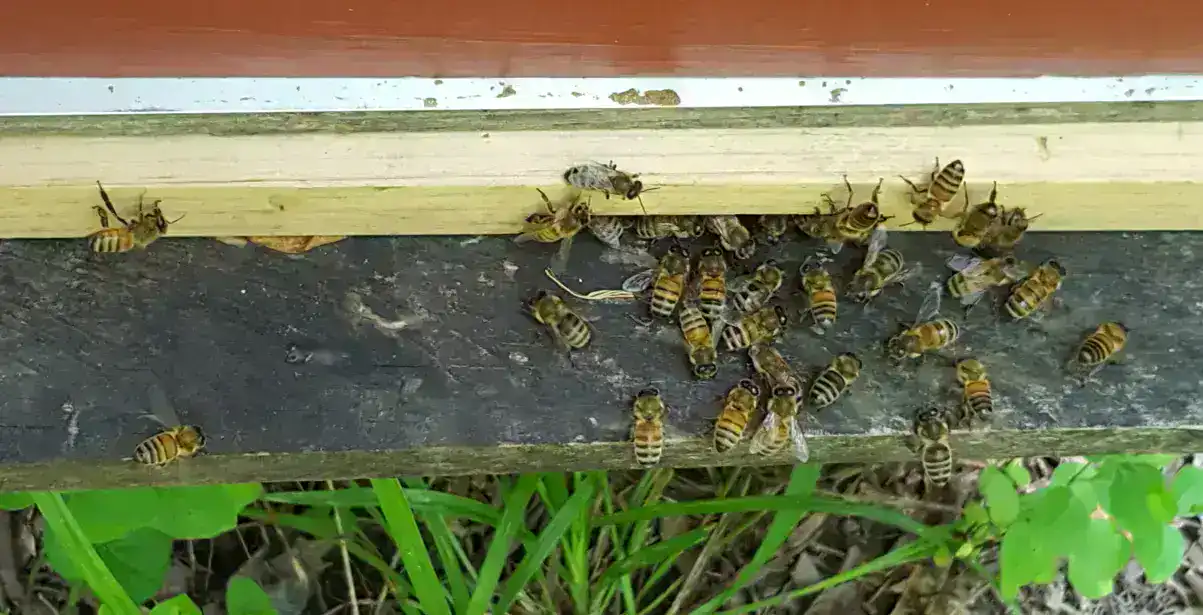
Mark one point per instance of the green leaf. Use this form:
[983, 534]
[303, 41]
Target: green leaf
[1188, 490]
[1129, 504]
[1001, 499]
[75, 544]
[1060, 521]
[205, 511]
[1022, 559]
[1158, 461]
[245, 597]
[1018, 473]
[108, 514]
[176, 605]
[138, 561]
[403, 529]
[1161, 564]
[1096, 560]
[513, 516]
[15, 500]
[1071, 472]
[658, 552]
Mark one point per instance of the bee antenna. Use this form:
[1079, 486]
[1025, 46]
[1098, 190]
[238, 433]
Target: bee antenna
[641, 205]
[177, 219]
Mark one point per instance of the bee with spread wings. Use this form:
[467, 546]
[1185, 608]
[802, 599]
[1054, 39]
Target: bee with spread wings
[174, 441]
[881, 268]
[975, 276]
[562, 222]
[781, 426]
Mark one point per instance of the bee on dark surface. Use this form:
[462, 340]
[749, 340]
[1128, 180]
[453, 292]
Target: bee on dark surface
[740, 403]
[977, 401]
[781, 426]
[699, 341]
[850, 224]
[831, 383]
[763, 325]
[667, 281]
[660, 227]
[609, 229]
[607, 179]
[733, 235]
[750, 292]
[774, 228]
[560, 223]
[712, 283]
[977, 222]
[935, 453]
[773, 368]
[648, 433]
[975, 276]
[143, 230]
[929, 202]
[567, 327]
[881, 268]
[820, 295]
[928, 334]
[1099, 348]
[1010, 227]
[1035, 291]
[174, 442]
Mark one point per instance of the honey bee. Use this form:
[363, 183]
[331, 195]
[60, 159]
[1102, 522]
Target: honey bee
[820, 295]
[763, 325]
[977, 400]
[774, 228]
[935, 452]
[929, 201]
[659, 227]
[880, 268]
[712, 283]
[609, 229]
[1035, 291]
[143, 230]
[648, 434]
[666, 280]
[699, 341]
[977, 223]
[174, 442]
[773, 367]
[928, 333]
[781, 426]
[607, 179]
[850, 224]
[1099, 348]
[733, 235]
[559, 223]
[1010, 227]
[975, 276]
[570, 331]
[831, 383]
[738, 407]
[752, 291]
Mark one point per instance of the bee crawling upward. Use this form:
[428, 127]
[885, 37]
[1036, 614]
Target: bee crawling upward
[1010, 227]
[831, 383]
[609, 229]
[648, 433]
[570, 331]
[850, 224]
[699, 341]
[763, 325]
[881, 268]
[1099, 348]
[1034, 293]
[143, 230]
[935, 452]
[712, 283]
[781, 426]
[740, 403]
[977, 400]
[175, 442]
[607, 179]
[820, 295]
[975, 276]
[733, 235]
[976, 222]
[774, 228]
[559, 223]
[928, 334]
[929, 202]
[773, 368]
[752, 291]
[659, 227]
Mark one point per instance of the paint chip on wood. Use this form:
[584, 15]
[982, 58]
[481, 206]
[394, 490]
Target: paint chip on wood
[507, 91]
[663, 98]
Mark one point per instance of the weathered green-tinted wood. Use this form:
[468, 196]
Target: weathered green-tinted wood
[471, 384]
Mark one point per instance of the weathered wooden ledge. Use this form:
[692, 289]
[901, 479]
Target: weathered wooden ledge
[1119, 166]
[472, 385]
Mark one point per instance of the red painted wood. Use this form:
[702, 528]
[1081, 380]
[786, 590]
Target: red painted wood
[530, 38]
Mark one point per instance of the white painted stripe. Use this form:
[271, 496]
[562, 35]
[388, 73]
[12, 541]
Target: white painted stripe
[60, 96]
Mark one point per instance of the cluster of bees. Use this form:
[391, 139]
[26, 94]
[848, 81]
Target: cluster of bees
[715, 313]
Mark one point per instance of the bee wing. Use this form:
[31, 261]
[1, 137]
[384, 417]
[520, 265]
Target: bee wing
[877, 243]
[906, 273]
[559, 262]
[740, 284]
[161, 409]
[931, 303]
[762, 439]
[1017, 271]
[961, 262]
[798, 439]
[639, 282]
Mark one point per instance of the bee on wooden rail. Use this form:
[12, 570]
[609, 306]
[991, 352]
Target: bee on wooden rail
[700, 343]
[821, 302]
[975, 276]
[850, 224]
[833, 381]
[977, 399]
[561, 222]
[174, 442]
[781, 426]
[609, 229]
[928, 334]
[738, 406]
[660, 227]
[773, 368]
[569, 330]
[136, 234]
[732, 235]
[1010, 227]
[648, 432]
[977, 222]
[773, 227]
[1099, 348]
[929, 202]
[607, 179]
[931, 440]
[1033, 295]
[881, 268]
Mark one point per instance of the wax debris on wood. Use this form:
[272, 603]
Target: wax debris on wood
[288, 244]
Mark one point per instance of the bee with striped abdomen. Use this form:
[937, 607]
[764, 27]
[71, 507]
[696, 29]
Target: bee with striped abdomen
[732, 235]
[660, 227]
[976, 223]
[929, 202]
[1030, 296]
[935, 453]
[773, 368]
[667, 281]
[607, 179]
[750, 292]
[821, 303]
[1010, 227]
[712, 283]
[881, 268]
[561, 222]
[136, 234]
[781, 426]
[174, 442]
[763, 325]
[699, 341]
[1098, 349]
[648, 433]
[773, 227]
[833, 381]
[740, 403]
[975, 276]
[928, 334]
[977, 400]
[567, 327]
[850, 224]
[609, 229]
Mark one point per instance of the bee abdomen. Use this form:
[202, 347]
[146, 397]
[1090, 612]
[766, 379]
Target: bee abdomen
[157, 450]
[711, 304]
[937, 464]
[664, 302]
[728, 431]
[648, 452]
[1024, 300]
[823, 308]
[978, 399]
[112, 240]
[735, 337]
[826, 389]
[1094, 350]
[575, 332]
[948, 182]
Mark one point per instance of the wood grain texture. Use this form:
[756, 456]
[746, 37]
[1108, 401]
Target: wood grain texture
[1081, 176]
[622, 37]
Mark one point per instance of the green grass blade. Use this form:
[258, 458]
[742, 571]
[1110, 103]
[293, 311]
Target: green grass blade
[444, 545]
[811, 503]
[422, 501]
[405, 533]
[97, 575]
[801, 483]
[576, 506]
[656, 553]
[513, 516]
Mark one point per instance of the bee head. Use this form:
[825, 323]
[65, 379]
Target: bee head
[768, 263]
[781, 316]
[191, 437]
[679, 250]
[1122, 327]
[1057, 266]
[705, 371]
[848, 362]
[635, 189]
[712, 252]
[970, 369]
[581, 211]
[649, 392]
[749, 386]
[785, 391]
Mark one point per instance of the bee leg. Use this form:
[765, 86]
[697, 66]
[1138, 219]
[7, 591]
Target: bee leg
[914, 188]
[546, 201]
[103, 215]
[643, 322]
